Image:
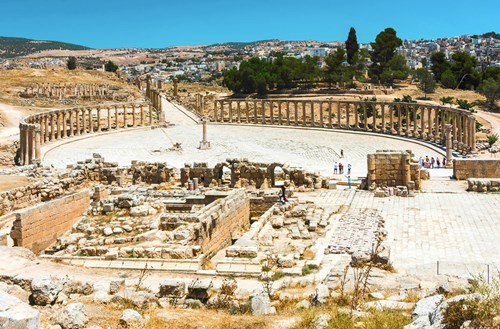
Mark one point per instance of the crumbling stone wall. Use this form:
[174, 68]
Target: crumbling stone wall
[393, 168]
[222, 221]
[476, 168]
[38, 227]
[245, 173]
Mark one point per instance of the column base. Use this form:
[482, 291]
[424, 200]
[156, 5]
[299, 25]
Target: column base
[204, 145]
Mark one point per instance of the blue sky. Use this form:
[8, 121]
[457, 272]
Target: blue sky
[156, 23]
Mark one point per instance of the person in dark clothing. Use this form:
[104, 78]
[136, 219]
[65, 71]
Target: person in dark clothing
[282, 194]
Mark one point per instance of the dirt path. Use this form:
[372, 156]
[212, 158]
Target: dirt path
[492, 118]
[9, 122]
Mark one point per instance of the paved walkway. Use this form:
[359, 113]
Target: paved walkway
[460, 230]
[311, 149]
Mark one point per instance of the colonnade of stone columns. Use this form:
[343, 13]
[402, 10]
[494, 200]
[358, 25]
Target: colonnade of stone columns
[68, 89]
[45, 127]
[412, 120]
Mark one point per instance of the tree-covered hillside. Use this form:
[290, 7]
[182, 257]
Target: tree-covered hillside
[13, 47]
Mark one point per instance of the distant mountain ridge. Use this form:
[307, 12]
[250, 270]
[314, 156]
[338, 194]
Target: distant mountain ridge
[13, 47]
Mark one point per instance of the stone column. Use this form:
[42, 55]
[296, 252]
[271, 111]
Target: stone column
[247, 111]
[141, 111]
[422, 122]
[455, 131]
[365, 117]
[303, 114]
[271, 112]
[473, 132]
[263, 104]
[429, 124]
[91, 121]
[125, 125]
[116, 117]
[98, 119]
[415, 117]
[238, 107]
[151, 120]
[42, 129]
[22, 143]
[77, 117]
[134, 123]
[400, 120]
[330, 113]
[280, 115]
[176, 89]
[407, 130]
[64, 127]
[71, 131]
[460, 132]
[449, 156]
[436, 126]
[84, 121]
[38, 140]
[230, 111]
[287, 113]
[391, 119]
[347, 116]
[108, 109]
[321, 114]
[204, 144]
[339, 116]
[31, 144]
[383, 118]
[296, 113]
[374, 118]
[313, 116]
[52, 126]
[356, 115]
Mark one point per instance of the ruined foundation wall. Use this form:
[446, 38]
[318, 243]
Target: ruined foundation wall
[222, 221]
[38, 227]
[476, 168]
[393, 168]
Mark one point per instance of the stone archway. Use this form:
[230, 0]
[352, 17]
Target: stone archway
[223, 174]
[278, 173]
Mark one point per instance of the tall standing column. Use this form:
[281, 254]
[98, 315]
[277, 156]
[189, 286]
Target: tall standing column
[134, 123]
[374, 118]
[365, 117]
[303, 114]
[347, 115]
[91, 121]
[108, 109]
[415, 118]
[22, 143]
[429, 124]
[449, 163]
[296, 113]
[38, 140]
[280, 115]
[408, 121]
[151, 120]
[460, 131]
[383, 118]
[142, 114]
[287, 113]
[98, 109]
[247, 111]
[356, 116]
[330, 113]
[238, 107]
[455, 130]
[84, 120]
[78, 128]
[71, 123]
[436, 125]
[230, 111]
[63, 124]
[400, 120]
[41, 121]
[271, 112]
[321, 114]
[125, 116]
[263, 108]
[52, 126]
[31, 144]
[339, 114]
[473, 132]
[422, 122]
[391, 119]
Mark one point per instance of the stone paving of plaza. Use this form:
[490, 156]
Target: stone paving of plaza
[311, 149]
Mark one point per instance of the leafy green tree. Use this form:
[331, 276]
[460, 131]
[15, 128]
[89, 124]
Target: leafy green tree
[439, 65]
[71, 63]
[351, 45]
[426, 82]
[395, 69]
[448, 79]
[335, 68]
[492, 72]
[384, 50]
[464, 70]
[110, 66]
[490, 89]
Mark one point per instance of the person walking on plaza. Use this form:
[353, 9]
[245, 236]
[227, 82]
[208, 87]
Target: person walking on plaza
[432, 162]
[444, 161]
[342, 153]
[349, 169]
[341, 168]
[335, 168]
[438, 162]
[282, 195]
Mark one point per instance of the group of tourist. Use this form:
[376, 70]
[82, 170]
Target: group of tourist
[432, 162]
[338, 168]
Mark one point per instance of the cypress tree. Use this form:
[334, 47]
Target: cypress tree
[351, 45]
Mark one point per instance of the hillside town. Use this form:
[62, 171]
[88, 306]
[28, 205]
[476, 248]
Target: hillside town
[206, 63]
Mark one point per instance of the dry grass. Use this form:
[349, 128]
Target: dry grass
[14, 81]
